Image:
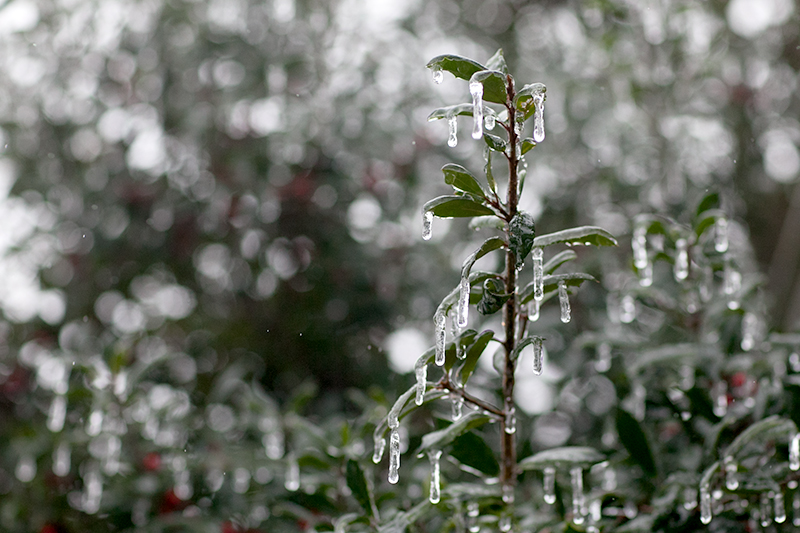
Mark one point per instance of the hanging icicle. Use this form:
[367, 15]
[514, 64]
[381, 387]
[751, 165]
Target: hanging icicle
[639, 247]
[457, 407]
[549, 485]
[380, 446]
[427, 225]
[463, 302]
[438, 75]
[538, 116]
[421, 373]
[578, 498]
[435, 492]
[794, 452]
[681, 270]
[538, 274]
[538, 356]
[439, 320]
[476, 90]
[511, 421]
[533, 310]
[779, 508]
[452, 124]
[508, 494]
[721, 235]
[563, 298]
[292, 479]
[473, 512]
[731, 473]
[705, 504]
[394, 456]
[765, 509]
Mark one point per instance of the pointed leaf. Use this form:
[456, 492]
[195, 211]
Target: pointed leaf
[635, 441]
[494, 85]
[492, 299]
[497, 62]
[527, 145]
[558, 260]
[460, 178]
[357, 483]
[563, 457]
[522, 232]
[487, 169]
[456, 206]
[471, 450]
[451, 111]
[709, 201]
[458, 66]
[525, 98]
[437, 440]
[474, 353]
[494, 142]
[489, 245]
[770, 428]
[586, 235]
[487, 222]
[521, 345]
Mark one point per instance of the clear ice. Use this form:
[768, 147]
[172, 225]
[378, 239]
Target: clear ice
[578, 498]
[563, 298]
[538, 117]
[439, 320]
[639, 247]
[489, 121]
[721, 235]
[457, 407]
[538, 274]
[533, 310]
[627, 311]
[476, 90]
[427, 225]
[731, 473]
[452, 124]
[421, 373]
[438, 75]
[549, 485]
[511, 421]
[473, 511]
[538, 356]
[750, 330]
[57, 413]
[705, 504]
[646, 275]
[779, 507]
[380, 446]
[463, 302]
[62, 457]
[794, 452]
[681, 260]
[435, 493]
[291, 481]
[394, 456]
[731, 285]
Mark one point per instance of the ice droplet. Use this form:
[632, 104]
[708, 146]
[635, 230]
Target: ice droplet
[627, 311]
[538, 274]
[457, 407]
[476, 90]
[463, 302]
[438, 75]
[57, 413]
[394, 456]
[705, 504]
[452, 124]
[473, 511]
[549, 485]
[538, 356]
[779, 507]
[538, 117]
[510, 425]
[421, 373]
[435, 493]
[639, 247]
[794, 452]
[578, 498]
[380, 446]
[427, 225]
[439, 320]
[62, 457]
[721, 235]
[291, 481]
[489, 121]
[533, 310]
[681, 260]
[765, 509]
[731, 473]
[563, 298]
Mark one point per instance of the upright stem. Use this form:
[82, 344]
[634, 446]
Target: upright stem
[508, 451]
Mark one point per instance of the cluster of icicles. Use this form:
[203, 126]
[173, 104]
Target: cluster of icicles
[771, 503]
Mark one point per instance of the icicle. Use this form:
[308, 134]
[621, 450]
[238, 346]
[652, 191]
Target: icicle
[489, 121]
[438, 75]
[731, 285]
[731, 473]
[646, 275]
[794, 452]
[421, 373]
[511, 421]
[452, 124]
[394, 456]
[538, 274]
[26, 468]
[57, 413]
[796, 509]
[439, 320]
[794, 362]
[764, 509]
[720, 398]
[609, 479]
[627, 311]
[705, 504]
[292, 480]
[62, 459]
[538, 117]
[578, 498]
[681, 260]
[95, 423]
[456, 407]
[427, 225]
[463, 302]
[505, 522]
[538, 356]
[603, 363]
[380, 446]
[779, 507]
[689, 498]
[92, 491]
[750, 330]
[721, 235]
[473, 511]
[435, 494]
[508, 494]
[549, 485]
[533, 310]
[639, 247]
[563, 299]
[476, 90]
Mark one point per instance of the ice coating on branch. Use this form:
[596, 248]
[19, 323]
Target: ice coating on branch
[292, 480]
[62, 457]
[731, 473]
[765, 509]
[380, 446]
[779, 508]
[538, 356]
[511, 421]
[639, 247]
[438, 75]
[435, 493]
[57, 413]
[794, 452]
[538, 115]
[538, 274]
[473, 511]
[489, 121]
[721, 235]
[476, 90]
[452, 124]
[427, 225]
[533, 310]
[578, 498]
[394, 456]
[563, 299]
[463, 302]
[627, 309]
[549, 485]
[421, 373]
[705, 504]
[439, 320]
[681, 260]
[457, 407]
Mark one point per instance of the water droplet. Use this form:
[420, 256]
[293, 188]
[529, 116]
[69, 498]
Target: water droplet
[533, 310]
[538, 356]
[578, 498]
[452, 124]
[538, 117]
[489, 121]
[457, 407]
[380, 446]
[681, 270]
[563, 298]
[705, 505]
[439, 320]
[731, 473]
[510, 425]
[62, 457]
[794, 452]
[538, 274]
[476, 90]
[780, 508]
[427, 225]
[639, 247]
[394, 456]
[292, 476]
[421, 373]
[435, 493]
[549, 485]
[721, 235]
[57, 413]
[463, 302]
[627, 311]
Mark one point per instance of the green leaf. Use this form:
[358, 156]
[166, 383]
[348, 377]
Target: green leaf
[474, 353]
[456, 206]
[494, 85]
[527, 145]
[497, 62]
[494, 142]
[487, 169]
[525, 99]
[558, 260]
[473, 451]
[635, 441]
[768, 429]
[460, 178]
[521, 234]
[489, 245]
[487, 222]
[521, 345]
[441, 438]
[451, 111]
[357, 483]
[458, 66]
[492, 299]
[564, 457]
[572, 279]
[709, 201]
[586, 235]
[707, 220]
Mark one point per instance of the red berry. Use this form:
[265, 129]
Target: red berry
[738, 379]
[151, 461]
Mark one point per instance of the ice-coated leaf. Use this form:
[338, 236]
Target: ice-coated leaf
[456, 206]
[474, 353]
[674, 354]
[487, 222]
[770, 428]
[521, 345]
[493, 298]
[470, 449]
[572, 279]
[706, 220]
[437, 440]
[451, 111]
[403, 519]
[458, 66]
[522, 232]
[460, 178]
[357, 483]
[528, 96]
[494, 142]
[494, 85]
[489, 245]
[564, 457]
[635, 441]
[586, 235]
[497, 62]
[527, 145]
[709, 201]
[558, 260]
